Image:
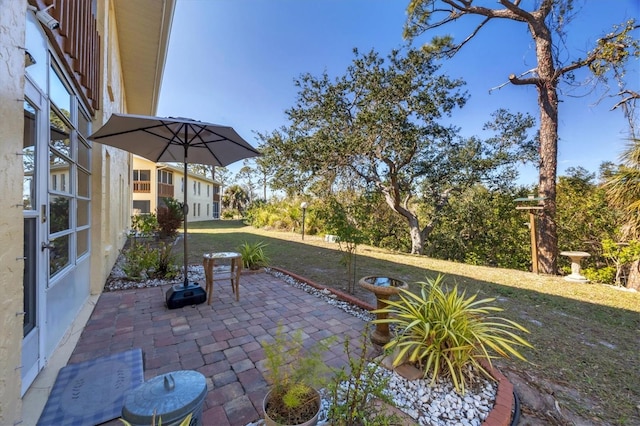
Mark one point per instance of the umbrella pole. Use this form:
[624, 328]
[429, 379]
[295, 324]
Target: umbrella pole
[176, 296]
[185, 211]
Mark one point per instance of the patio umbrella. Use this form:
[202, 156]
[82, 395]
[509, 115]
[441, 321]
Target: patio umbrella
[171, 139]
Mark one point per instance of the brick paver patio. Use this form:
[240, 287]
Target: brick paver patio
[221, 340]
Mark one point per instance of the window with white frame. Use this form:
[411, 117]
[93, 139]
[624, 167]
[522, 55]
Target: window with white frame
[69, 158]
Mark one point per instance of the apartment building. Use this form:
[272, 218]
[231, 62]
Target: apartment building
[154, 181]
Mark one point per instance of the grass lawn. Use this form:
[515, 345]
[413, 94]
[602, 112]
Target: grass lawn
[586, 336]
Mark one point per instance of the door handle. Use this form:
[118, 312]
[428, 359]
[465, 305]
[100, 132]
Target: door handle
[47, 246]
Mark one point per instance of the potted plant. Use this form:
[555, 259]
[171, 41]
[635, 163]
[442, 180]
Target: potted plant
[444, 333]
[295, 374]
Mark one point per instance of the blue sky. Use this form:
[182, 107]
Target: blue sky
[233, 62]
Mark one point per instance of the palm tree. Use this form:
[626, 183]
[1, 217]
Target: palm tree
[236, 197]
[623, 189]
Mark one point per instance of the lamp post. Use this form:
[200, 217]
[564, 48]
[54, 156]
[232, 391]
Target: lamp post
[303, 206]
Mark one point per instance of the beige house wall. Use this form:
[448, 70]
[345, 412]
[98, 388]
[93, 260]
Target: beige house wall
[140, 163]
[12, 38]
[110, 187]
[201, 199]
[110, 167]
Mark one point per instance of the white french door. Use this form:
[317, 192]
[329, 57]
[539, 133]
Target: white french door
[34, 196]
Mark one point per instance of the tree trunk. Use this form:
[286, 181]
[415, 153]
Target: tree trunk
[417, 239]
[548, 103]
[633, 278]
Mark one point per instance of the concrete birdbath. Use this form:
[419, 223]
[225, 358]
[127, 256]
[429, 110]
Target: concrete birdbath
[576, 257]
[383, 288]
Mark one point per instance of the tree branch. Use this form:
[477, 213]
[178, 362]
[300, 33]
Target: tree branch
[595, 54]
[545, 8]
[522, 81]
[630, 96]
[500, 86]
[522, 15]
[456, 48]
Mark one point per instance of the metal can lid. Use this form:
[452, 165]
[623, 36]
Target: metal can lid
[170, 397]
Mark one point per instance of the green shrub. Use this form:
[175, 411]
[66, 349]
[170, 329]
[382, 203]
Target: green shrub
[279, 214]
[144, 225]
[622, 255]
[229, 213]
[139, 260]
[353, 391]
[253, 255]
[143, 261]
[165, 266]
[446, 334]
[605, 275]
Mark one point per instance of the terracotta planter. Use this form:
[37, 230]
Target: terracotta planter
[270, 422]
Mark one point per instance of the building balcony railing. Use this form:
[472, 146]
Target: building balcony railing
[142, 186]
[165, 190]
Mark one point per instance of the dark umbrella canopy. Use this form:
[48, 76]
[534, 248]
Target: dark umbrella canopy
[173, 139]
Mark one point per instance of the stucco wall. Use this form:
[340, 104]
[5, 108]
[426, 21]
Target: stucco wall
[12, 25]
[111, 189]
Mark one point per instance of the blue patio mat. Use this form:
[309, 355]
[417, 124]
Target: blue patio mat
[92, 392]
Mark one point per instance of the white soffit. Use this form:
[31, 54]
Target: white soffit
[143, 32]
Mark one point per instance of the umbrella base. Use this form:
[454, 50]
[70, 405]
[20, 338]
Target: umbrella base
[179, 295]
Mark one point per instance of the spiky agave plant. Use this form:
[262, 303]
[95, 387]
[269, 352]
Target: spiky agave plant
[446, 333]
[253, 255]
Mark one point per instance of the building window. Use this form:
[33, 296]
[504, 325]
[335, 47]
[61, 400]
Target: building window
[165, 184]
[142, 175]
[142, 181]
[69, 193]
[165, 176]
[141, 207]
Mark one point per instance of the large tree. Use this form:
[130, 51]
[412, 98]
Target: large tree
[546, 24]
[246, 177]
[380, 127]
[235, 197]
[262, 168]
